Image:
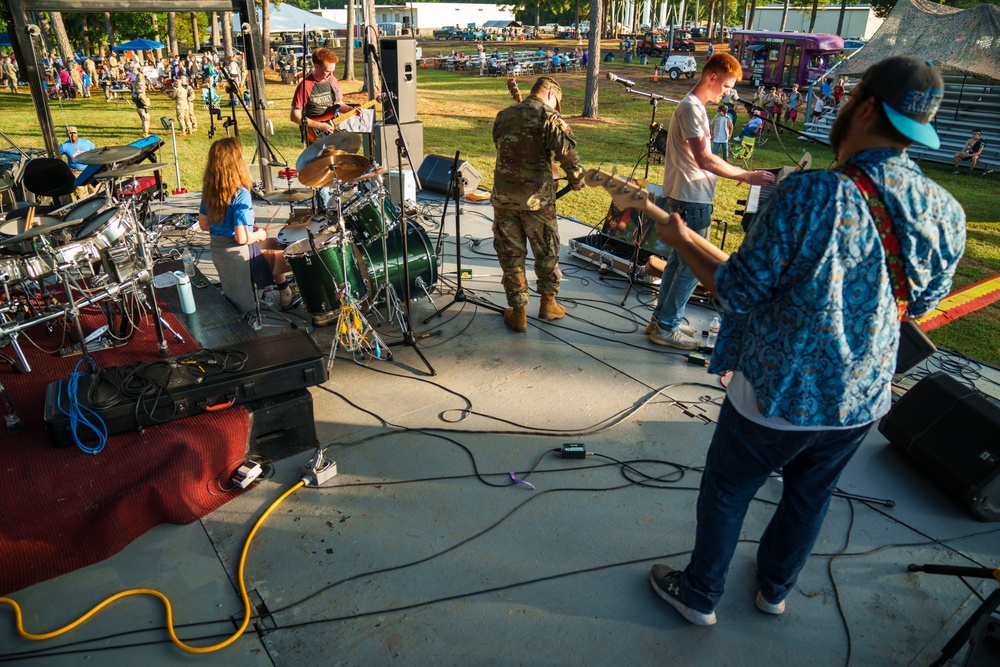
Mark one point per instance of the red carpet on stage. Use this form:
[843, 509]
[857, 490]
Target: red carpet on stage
[61, 509]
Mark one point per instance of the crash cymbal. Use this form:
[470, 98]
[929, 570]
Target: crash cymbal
[349, 142]
[47, 226]
[377, 171]
[289, 195]
[131, 170]
[107, 155]
[333, 166]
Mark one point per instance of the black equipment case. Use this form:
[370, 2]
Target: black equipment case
[186, 385]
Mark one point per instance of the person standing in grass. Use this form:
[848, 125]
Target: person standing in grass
[722, 132]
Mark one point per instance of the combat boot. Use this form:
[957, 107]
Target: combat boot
[549, 309]
[516, 318]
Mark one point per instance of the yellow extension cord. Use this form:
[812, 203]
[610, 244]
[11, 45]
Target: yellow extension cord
[166, 601]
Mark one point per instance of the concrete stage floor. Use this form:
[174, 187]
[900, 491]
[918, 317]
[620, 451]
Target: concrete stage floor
[424, 552]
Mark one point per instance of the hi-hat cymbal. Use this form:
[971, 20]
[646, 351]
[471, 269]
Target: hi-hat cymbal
[131, 170]
[46, 227]
[107, 155]
[290, 195]
[333, 166]
[348, 142]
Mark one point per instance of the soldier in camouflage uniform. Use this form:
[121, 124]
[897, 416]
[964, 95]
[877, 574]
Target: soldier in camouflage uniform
[181, 107]
[142, 107]
[529, 137]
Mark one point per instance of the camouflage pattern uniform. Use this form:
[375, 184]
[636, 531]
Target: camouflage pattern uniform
[182, 109]
[142, 108]
[529, 137]
[10, 71]
[192, 95]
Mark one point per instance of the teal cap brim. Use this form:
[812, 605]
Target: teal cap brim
[922, 133]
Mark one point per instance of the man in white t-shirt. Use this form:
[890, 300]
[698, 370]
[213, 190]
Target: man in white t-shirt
[689, 189]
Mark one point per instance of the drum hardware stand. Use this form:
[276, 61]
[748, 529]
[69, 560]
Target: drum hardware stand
[255, 317]
[402, 150]
[145, 303]
[21, 364]
[461, 296]
[147, 265]
[10, 418]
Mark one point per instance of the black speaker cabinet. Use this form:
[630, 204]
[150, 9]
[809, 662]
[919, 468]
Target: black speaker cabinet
[949, 431]
[399, 65]
[435, 173]
[385, 143]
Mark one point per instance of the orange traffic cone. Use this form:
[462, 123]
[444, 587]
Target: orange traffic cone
[423, 63]
[656, 74]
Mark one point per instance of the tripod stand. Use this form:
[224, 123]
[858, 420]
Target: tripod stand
[454, 192]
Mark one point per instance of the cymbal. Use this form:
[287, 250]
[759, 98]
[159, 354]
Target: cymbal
[333, 166]
[5, 183]
[349, 142]
[47, 227]
[131, 170]
[107, 155]
[377, 171]
[290, 195]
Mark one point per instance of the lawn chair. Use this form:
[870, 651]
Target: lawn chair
[743, 155]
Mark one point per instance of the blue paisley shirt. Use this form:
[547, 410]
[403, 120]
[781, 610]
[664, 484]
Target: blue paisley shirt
[809, 315]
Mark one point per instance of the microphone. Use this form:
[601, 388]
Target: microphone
[618, 79]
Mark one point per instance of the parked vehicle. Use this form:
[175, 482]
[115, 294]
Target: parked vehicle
[451, 32]
[784, 58]
[654, 43]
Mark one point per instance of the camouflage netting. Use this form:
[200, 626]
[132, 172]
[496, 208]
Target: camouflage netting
[956, 40]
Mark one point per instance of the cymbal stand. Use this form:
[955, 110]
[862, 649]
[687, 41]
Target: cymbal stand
[356, 325]
[147, 266]
[460, 294]
[21, 365]
[10, 418]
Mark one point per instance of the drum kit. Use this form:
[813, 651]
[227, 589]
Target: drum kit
[94, 250]
[353, 254]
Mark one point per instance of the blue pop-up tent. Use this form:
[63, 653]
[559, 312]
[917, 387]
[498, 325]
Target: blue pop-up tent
[140, 45]
[4, 39]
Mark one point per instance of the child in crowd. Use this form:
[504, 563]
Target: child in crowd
[722, 132]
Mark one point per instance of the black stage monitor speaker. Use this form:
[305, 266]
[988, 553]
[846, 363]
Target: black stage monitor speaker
[435, 173]
[399, 65]
[385, 143]
[949, 431]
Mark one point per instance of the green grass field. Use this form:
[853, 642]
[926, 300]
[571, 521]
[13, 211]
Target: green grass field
[457, 110]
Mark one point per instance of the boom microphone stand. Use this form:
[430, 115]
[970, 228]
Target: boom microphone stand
[454, 191]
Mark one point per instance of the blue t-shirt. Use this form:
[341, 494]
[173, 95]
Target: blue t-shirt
[810, 318]
[71, 150]
[239, 212]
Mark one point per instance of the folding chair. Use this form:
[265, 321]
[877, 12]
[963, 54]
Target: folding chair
[743, 154]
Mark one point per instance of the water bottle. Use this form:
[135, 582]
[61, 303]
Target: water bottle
[713, 333]
[185, 292]
[188, 260]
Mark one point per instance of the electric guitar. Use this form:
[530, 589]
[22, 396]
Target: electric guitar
[333, 120]
[515, 93]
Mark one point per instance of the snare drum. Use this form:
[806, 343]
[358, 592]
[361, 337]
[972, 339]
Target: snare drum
[11, 269]
[81, 255]
[363, 215]
[39, 266]
[421, 260]
[105, 229]
[320, 274]
[289, 234]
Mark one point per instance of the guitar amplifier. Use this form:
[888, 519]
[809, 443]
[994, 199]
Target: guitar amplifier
[128, 398]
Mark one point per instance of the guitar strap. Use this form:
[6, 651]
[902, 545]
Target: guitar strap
[890, 242]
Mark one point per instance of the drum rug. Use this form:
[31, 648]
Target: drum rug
[62, 509]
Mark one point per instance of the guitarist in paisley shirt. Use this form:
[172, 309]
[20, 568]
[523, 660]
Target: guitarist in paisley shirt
[318, 96]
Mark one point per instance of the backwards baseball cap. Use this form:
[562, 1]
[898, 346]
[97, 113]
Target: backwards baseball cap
[71, 129]
[911, 92]
[548, 83]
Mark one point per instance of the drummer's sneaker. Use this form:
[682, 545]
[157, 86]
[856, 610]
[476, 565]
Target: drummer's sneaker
[324, 320]
[286, 299]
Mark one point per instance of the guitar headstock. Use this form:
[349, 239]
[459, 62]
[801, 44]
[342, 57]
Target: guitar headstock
[514, 91]
[623, 193]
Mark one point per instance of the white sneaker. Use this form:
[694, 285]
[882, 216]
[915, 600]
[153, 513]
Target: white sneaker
[661, 336]
[683, 328]
[777, 608]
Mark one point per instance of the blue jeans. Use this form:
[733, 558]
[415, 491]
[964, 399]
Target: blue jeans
[741, 457]
[721, 148]
[678, 282]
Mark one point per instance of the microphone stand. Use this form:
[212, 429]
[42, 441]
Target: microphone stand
[454, 191]
[402, 150]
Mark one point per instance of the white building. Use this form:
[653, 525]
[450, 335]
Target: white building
[426, 17]
[860, 21]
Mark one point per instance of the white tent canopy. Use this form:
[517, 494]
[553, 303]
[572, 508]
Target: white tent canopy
[286, 18]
